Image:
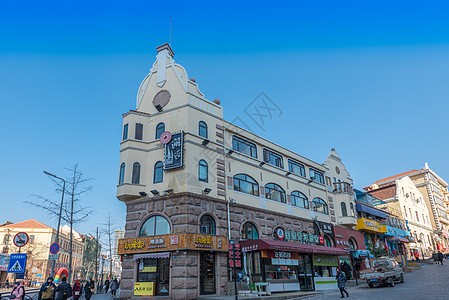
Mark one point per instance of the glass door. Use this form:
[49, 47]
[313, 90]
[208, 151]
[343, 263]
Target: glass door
[207, 273]
[305, 275]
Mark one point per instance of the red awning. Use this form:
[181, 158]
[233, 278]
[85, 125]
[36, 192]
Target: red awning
[255, 245]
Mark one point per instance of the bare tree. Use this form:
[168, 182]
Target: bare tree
[73, 212]
[108, 228]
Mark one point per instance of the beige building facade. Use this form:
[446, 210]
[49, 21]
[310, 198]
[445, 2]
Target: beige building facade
[192, 181]
[434, 192]
[41, 237]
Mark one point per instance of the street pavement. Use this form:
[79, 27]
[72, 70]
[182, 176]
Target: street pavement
[430, 282]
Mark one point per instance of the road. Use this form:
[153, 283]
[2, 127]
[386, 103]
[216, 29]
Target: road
[430, 282]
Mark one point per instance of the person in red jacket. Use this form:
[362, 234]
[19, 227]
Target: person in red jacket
[77, 290]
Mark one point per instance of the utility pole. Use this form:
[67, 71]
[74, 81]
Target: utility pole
[59, 219]
[96, 259]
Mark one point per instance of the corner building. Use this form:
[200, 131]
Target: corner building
[192, 182]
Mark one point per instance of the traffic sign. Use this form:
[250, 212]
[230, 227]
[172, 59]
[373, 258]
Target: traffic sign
[54, 248]
[53, 257]
[21, 239]
[17, 263]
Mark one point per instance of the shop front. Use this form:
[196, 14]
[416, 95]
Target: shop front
[396, 239]
[350, 240]
[288, 266]
[373, 232]
[161, 262]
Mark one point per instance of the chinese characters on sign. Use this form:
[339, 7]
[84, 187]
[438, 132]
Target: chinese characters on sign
[203, 241]
[235, 255]
[302, 237]
[174, 152]
[134, 245]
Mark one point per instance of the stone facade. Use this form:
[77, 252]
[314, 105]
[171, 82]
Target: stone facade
[183, 211]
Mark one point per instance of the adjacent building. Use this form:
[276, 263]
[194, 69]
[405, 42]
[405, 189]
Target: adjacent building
[434, 191]
[193, 182]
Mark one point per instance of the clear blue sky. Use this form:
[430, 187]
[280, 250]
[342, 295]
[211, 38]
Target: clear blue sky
[368, 78]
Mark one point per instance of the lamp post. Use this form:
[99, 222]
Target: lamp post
[59, 219]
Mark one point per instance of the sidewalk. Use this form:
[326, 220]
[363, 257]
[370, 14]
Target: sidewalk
[101, 296]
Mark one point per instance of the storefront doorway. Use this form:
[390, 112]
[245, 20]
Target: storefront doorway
[305, 272]
[207, 273]
[156, 272]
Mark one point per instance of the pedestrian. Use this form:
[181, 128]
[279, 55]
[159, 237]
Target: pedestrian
[114, 287]
[106, 283]
[417, 255]
[18, 291]
[341, 281]
[77, 290]
[345, 267]
[47, 291]
[89, 289]
[7, 284]
[440, 257]
[63, 290]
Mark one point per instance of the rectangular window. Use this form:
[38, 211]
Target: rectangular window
[296, 168]
[125, 132]
[316, 176]
[139, 131]
[273, 158]
[31, 239]
[244, 147]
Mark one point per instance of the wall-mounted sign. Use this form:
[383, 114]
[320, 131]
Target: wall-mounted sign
[165, 137]
[302, 237]
[174, 152]
[370, 225]
[280, 233]
[144, 289]
[171, 242]
[325, 260]
[235, 254]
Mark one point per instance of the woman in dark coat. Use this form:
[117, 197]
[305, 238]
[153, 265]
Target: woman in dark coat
[89, 288]
[341, 281]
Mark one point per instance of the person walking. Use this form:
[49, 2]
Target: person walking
[18, 291]
[89, 289]
[341, 281]
[63, 290]
[77, 290]
[416, 255]
[106, 283]
[47, 291]
[114, 287]
[440, 257]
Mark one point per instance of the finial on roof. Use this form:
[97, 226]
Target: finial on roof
[333, 149]
[217, 101]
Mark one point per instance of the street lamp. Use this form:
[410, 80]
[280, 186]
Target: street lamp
[59, 219]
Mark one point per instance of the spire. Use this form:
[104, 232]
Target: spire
[164, 58]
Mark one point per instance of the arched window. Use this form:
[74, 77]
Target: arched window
[249, 231]
[246, 184]
[160, 128]
[328, 241]
[158, 172]
[202, 129]
[156, 225]
[121, 177]
[207, 225]
[344, 212]
[299, 199]
[136, 173]
[274, 192]
[352, 210]
[202, 171]
[352, 244]
[320, 206]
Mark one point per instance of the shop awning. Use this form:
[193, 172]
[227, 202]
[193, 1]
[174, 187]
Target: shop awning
[152, 255]
[397, 238]
[255, 245]
[369, 210]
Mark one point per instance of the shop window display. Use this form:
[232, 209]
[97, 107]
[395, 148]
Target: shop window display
[157, 272]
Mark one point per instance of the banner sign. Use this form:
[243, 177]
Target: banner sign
[174, 152]
[144, 289]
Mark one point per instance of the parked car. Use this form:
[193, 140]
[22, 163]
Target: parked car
[384, 271]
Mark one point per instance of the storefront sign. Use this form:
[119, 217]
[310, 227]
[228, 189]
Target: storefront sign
[392, 231]
[148, 269]
[370, 225]
[235, 255]
[325, 260]
[280, 233]
[302, 237]
[171, 242]
[144, 289]
[174, 152]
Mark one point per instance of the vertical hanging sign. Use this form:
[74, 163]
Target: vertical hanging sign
[173, 156]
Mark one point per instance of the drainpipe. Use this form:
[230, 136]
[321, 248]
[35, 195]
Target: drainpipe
[229, 219]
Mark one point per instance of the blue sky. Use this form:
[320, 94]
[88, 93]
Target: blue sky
[368, 78]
